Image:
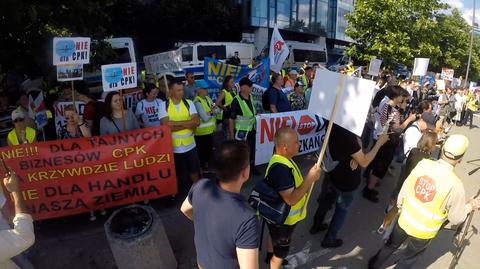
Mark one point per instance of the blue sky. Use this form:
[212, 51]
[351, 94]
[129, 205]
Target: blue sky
[466, 6]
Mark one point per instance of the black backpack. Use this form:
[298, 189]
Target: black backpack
[266, 100]
[184, 100]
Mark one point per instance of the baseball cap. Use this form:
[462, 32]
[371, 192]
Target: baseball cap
[293, 72]
[429, 119]
[455, 146]
[201, 84]
[17, 114]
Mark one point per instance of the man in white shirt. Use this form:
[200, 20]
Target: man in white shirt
[414, 132]
[21, 237]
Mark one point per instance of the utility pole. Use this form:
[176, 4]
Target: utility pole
[471, 45]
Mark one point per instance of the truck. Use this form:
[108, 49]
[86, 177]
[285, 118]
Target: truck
[188, 57]
[314, 53]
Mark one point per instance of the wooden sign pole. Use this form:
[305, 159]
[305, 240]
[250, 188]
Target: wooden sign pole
[124, 121]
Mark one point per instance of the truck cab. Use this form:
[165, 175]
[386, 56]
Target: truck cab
[314, 53]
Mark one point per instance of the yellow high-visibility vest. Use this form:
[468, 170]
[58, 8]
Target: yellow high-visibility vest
[298, 211]
[183, 137]
[423, 208]
[206, 127]
[30, 135]
[229, 95]
[246, 121]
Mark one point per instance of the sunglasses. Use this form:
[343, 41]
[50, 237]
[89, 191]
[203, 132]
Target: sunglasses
[18, 120]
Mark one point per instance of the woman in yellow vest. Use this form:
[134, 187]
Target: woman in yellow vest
[204, 132]
[285, 177]
[224, 102]
[430, 195]
[471, 107]
[21, 133]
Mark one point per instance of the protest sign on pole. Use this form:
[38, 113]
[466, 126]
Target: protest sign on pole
[420, 66]
[440, 84]
[310, 128]
[119, 76]
[71, 50]
[278, 51]
[447, 74]
[69, 72]
[374, 67]
[73, 176]
[351, 114]
[160, 63]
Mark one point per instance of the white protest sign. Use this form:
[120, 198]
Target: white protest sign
[447, 73]
[472, 85]
[119, 76]
[163, 62]
[310, 127]
[59, 113]
[71, 50]
[374, 67]
[420, 66]
[69, 72]
[440, 84]
[353, 105]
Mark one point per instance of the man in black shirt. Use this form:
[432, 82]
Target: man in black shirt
[226, 227]
[341, 164]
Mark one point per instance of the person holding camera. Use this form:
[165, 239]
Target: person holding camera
[14, 241]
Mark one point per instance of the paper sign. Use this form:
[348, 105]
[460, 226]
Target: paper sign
[71, 50]
[163, 62]
[69, 72]
[353, 105]
[374, 68]
[447, 74]
[420, 66]
[119, 76]
[440, 84]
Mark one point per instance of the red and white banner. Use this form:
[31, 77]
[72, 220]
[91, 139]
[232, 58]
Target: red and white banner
[310, 127]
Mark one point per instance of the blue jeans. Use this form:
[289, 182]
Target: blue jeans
[328, 196]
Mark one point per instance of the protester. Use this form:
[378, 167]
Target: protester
[292, 78]
[227, 231]
[183, 120]
[276, 97]
[23, 104]
[297, 98]
[388, 121]
[204, 132]
[190, 86]
[21, 133]
[242, 118]
[234, 60]
[414, 132]
[431, 194]
[472, 107]
[116, 118]
[224, 101]
[284, 176]
[307, 77]
[14, 241]
[93, 110]
[459, 106]
[341, 163]
[74, 128]
[151, 110]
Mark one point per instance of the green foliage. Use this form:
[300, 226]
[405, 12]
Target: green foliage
[398, 31]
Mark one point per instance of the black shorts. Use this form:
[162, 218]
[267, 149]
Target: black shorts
[382, 160]
[187, 162]
[281, 237]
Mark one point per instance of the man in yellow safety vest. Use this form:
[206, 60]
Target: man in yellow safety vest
[183, 120]
[285, 177]
[208, 124]
[430, 195]
[21, 133]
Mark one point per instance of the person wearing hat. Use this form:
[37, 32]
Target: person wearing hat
[297, 97]
[292, 78]
[430, 195]
[204, 132]
[21, 133]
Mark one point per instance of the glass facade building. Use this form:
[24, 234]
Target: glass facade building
[316, 17]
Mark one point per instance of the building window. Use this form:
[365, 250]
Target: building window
[259, 13]
[303, 19]
[283, 13]
[272, 13]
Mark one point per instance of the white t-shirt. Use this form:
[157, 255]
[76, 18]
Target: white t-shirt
[193, 110]
[151, 112]
[411, 137]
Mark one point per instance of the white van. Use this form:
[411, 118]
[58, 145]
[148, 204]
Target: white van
[314, 53]
[191, 55]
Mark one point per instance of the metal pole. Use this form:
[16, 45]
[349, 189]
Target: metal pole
[471, 45]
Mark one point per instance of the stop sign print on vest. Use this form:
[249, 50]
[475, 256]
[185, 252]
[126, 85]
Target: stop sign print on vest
[425, 189]
[306, 125]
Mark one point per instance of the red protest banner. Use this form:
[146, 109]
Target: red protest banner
[72, 176]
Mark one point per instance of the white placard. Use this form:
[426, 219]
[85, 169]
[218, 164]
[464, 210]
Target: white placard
[353, 105]
[310, 127]
[163, 62]
[440, 84]
[71, 50]
[119, 76]
[447, 73]
[374, 68]
[420, 66]
[69, 72]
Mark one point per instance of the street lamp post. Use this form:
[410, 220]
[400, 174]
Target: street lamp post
[471, 45]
